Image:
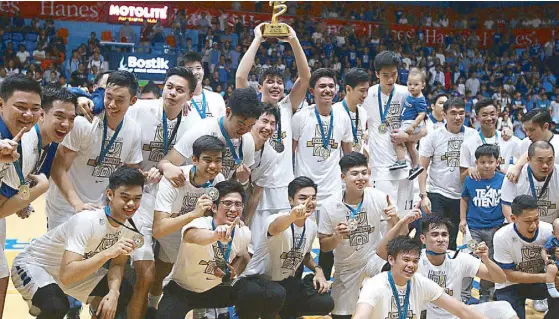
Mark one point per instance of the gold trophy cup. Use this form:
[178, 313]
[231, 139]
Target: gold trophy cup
[276, 29]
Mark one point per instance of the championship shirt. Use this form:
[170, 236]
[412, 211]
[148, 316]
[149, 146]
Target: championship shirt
[381, 150]
[312, 158]
[514, 251]
[196, 265]
[360, 126]
[210, 126]
[361, 244]
[213, 102]
[178, 201]
[86, 234]
[548, 197]
[443, 148]
[449, 276]
[90, 179]
[377, 292]
[278, 257]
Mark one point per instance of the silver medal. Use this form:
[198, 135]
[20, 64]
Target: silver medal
[472, 245]
[352, 224]
[213, 193]
[279, 147]
[138, 241]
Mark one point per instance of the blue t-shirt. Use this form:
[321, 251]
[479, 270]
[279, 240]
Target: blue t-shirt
[484, 202]
[412, 107]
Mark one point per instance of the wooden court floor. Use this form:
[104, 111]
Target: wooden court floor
[21, 231]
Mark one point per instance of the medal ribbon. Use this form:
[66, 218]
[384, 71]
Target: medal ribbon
[298, 245]
[238, 159]
[532, 185]
[483, 137]
[133, 228]
[166, 140]
[42, 153]
[353, 127]
[201, 111]
[227, 253]
[384, 113]
[105, 148]
[192, 174]
[278, 128]
[402, 312]
[325, 139]
[354, 212]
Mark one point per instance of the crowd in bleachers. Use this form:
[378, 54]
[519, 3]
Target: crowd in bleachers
[518, 79]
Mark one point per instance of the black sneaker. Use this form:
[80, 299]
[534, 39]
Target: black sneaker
[151, 313]
[398, 165]
[414, 172]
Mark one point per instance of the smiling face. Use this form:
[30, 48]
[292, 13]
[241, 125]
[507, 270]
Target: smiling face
[324, 91]
[228, 208]
[272, 89]
[358, 94]
[197, 70]
[356, 178]
[488, 117]
[208, 166]
[265, 126]
[117, 100]
[21, 109]
[301, 196]
[404, 265]
[58, 121]
[124, 201]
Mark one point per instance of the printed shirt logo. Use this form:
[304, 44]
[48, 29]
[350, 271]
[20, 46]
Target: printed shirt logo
[214, 264]
[189, 202]
[293, 258]
[532, 261]
[452, 154]
[360, 236]
[107, 242]
[544, 204]
[316, 143]
[156, 147]
[393, 314]
[393, 116]
[487, 197]
[111, 161]
[274, 139]
[439, 277]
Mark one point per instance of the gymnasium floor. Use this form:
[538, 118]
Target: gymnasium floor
[20, 232]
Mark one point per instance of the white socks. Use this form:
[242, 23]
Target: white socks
[552, 290]
[153, 301]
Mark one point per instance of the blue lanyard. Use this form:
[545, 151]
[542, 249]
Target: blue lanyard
[105, 148]
[325, 139]
[298, 245]
[354, 212]
[226, 253]
[533, 187]
[166, 140]
[42, 153]
[353, 127]
[201, 111]
[402, 312]
[483, 137]
[193, 174]
[238, 159]
[384, 113]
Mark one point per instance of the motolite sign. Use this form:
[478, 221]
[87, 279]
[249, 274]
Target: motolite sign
[138, 13]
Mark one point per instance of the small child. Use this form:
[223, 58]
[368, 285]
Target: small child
[550, 253]
[480, 205]
[412, 117]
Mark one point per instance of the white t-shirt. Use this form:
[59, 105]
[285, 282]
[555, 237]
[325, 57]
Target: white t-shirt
[22, 56]
[149, 116]
[377, 292]
[512, 251]
[8, 173]
[86, 234]
[195, 266]
[90, 180]
[362, 243]
[311, 158]
[526, 142]
[547, 202]
[275, 257]
[432, 126]
[361, 126]
[210, 126]
[381, 150]
[215, 105]
[443, 147]
[178, 201]
[449, 276]
[507, 150]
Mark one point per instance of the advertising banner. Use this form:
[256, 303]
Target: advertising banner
[144, 65]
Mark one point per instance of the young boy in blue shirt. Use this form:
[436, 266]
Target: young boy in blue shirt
[480, 205]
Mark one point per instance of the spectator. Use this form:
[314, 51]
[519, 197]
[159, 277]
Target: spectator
[18, 23]
[95, 61]
[53, 69]
[39, 54]
[73, 63]
[127, 33]
[23, 56]
[145, 32]
[150, 92]
[62, 82]
[473, 84]
[79, 77]
[12, 68]
[157, 34]
[93, 40]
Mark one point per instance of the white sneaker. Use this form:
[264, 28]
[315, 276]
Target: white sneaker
[540, 305]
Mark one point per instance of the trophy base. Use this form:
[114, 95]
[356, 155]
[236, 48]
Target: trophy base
[276, 30]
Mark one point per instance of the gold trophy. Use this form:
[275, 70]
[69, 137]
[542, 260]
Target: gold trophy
[276, 29]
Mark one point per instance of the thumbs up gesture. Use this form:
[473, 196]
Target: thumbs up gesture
[390, 211]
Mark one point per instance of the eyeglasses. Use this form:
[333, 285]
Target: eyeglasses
[229, 204]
